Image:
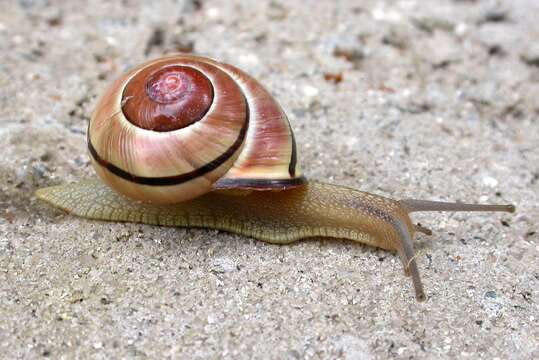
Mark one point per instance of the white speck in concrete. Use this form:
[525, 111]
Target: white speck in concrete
[489, 181]
[310, 91]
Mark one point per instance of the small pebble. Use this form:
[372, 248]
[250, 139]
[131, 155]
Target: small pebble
[530, 55]
[39, 170]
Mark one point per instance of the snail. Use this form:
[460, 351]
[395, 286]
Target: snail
[188, 141]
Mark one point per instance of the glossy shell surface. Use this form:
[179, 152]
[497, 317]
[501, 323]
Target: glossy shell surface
[241, 139]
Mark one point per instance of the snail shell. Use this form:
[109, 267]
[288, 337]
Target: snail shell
[180, 126]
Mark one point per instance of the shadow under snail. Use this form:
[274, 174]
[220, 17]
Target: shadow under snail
[189, 141]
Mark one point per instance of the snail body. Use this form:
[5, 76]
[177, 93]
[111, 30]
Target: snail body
[188, 141]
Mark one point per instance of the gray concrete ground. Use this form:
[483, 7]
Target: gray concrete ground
[424, 99]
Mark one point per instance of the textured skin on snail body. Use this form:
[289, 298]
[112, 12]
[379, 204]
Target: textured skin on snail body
[258, 192]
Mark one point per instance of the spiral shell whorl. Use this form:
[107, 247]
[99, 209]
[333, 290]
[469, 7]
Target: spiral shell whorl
[241, 139]
[167, 98]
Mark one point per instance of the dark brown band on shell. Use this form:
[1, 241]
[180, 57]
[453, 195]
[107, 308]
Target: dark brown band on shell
[293, 155]
[175, 179]
[260, 184]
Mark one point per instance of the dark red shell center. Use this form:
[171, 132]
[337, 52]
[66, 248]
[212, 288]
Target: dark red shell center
[167, 99]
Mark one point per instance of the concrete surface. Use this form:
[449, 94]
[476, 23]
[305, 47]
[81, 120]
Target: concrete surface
[425, 99]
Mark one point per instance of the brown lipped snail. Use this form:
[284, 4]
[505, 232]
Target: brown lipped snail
[189, 141]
